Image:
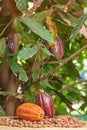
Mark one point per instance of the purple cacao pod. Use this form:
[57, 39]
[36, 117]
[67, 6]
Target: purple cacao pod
[58, 48]
[11, 45]
[45, 101]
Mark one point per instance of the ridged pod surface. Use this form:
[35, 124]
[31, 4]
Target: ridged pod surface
[45, 101]
[30, 111]
[58, 48]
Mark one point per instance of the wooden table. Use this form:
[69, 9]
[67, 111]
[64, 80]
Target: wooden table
[23, 128]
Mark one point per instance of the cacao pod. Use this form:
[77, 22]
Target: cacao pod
[11, 45]
[58, 48]
[45, 101]
[51, 25]
[30, 111]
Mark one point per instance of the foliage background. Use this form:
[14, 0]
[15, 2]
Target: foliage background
[35, 68]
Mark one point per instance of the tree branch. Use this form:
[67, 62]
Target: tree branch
[14, 12]
[5, 28]
[69, 4]
[13, 8]
[3, 12]
[71, 85]
[33, 9]
[61, 63]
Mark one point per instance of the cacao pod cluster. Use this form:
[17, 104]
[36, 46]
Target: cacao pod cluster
[44, 107]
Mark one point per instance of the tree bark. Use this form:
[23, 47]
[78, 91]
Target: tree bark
[7, 79]
[10, 100]
[4, 11]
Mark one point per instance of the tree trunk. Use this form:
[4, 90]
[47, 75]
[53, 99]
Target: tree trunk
[11, 100]
[7, 79]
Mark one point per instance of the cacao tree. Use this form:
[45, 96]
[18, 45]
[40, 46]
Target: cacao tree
[43, 48]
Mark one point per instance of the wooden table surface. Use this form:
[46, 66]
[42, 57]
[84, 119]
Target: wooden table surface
[16, 128]
[47, 128]
[23, 128]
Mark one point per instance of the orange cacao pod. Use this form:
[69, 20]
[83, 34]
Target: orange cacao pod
[45, 101]
[30, 111]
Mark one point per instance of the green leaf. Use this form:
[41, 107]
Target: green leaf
[25, 36]
[22, 5]
[2, 112]
[27, 53]
[41, 16]
[38, 29]
[18, 69]
[5, 93]
[67, 18]
[62, 109]
[78, 26]
[45, 50]
[82, 117]
[18, 26]
[45, 83]
[2, 46]
[30, 96]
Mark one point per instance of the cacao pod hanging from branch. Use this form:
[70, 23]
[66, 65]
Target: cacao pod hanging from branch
[11, 44]
[57, 48]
